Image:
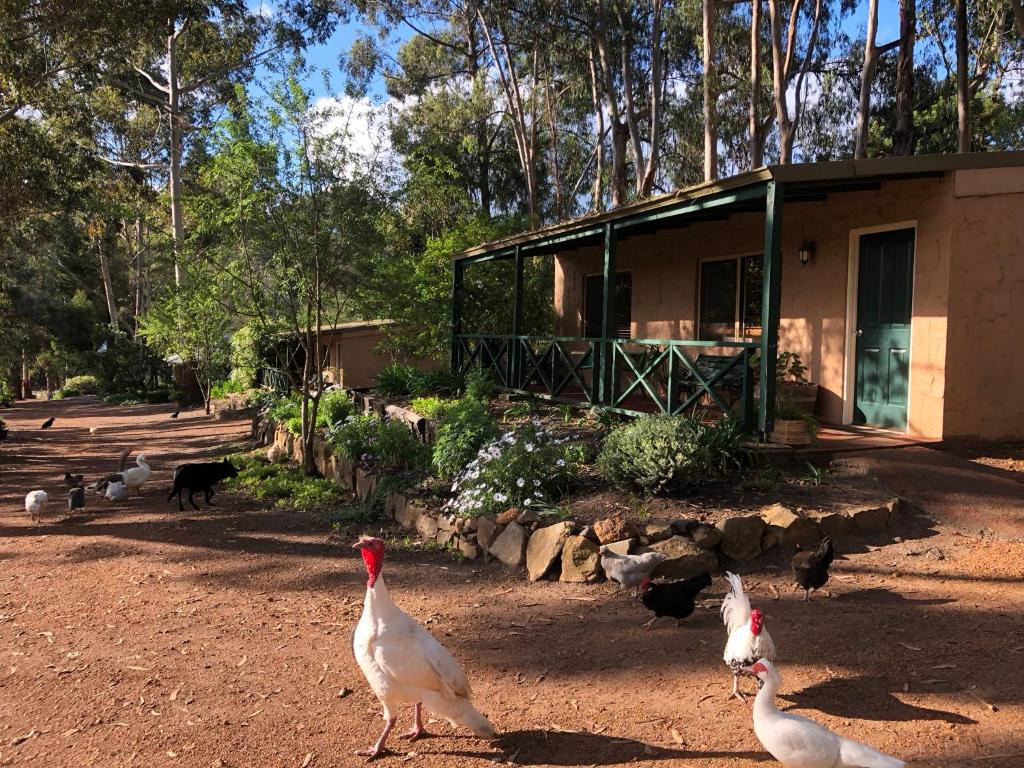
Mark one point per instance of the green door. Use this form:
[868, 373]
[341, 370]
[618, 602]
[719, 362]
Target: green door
[885, 290]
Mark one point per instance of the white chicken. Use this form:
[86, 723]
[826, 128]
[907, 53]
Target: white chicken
[134, 477]
[629, 570]
[116, 492]
[35, 503]
[797, 742]
[404, 664]
[748, 639]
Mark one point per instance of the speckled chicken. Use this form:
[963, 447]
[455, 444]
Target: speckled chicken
[629, 571]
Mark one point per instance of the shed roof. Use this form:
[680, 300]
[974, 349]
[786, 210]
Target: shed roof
[808, 178]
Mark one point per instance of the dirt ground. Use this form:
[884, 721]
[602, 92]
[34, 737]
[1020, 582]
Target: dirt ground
[141, 636]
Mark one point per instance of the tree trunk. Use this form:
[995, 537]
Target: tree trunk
[619, 131]
[595, 99]
[620, 137]
[903, 136]
[175, 150]
[780, 74]
[108, 284]
[710, 95]
[867, 78]
[139, 268]
[962, 94]
[646, 178]
[756, 145]
[556, 169]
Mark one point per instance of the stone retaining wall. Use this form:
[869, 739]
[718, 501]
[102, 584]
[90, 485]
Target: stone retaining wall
[519, 538]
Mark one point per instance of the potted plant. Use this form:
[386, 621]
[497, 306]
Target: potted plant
[794, 425]
[791, 384]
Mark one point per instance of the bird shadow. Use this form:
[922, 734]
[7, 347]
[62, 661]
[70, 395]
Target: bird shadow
[865, 698]
[542, 747]
[877, 595]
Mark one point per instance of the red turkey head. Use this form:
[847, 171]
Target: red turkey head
[372, 550]
[645, 584]
[756, 622]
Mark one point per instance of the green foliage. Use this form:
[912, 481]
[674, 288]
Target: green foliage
[6, 392]
[77, 385]
[818, 476]
[246, 345]
[285, 409]
[379, 444]
[761, 480]
[432, 407]
[155, 396]
[789, 368]
[224, 388]
[466, 426]
[669, 453]
[479, 385]
[373, 507]
[395, 379]
[335, 405]
[522, 468]
[288, 487]
[519, 410]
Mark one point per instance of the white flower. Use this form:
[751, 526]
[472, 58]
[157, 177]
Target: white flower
[528, 501]
[501, 498]
[536, 483]
[529, 447]
[560, 463]
[520, 482]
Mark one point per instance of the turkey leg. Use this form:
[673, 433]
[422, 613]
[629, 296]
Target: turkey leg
[417, 725]
[377, 749]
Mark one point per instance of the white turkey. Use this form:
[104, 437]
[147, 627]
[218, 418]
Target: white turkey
[748, 639]
[404, 664]
[797, 742]
[134, 477]
[35, 503]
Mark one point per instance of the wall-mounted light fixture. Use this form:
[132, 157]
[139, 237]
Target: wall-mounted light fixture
[806, 252]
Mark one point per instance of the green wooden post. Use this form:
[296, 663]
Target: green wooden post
[771, 298]
[512, 353]
[607, 316]
[457, 274]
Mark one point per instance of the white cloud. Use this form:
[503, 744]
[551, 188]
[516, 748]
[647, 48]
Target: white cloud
[360, 125]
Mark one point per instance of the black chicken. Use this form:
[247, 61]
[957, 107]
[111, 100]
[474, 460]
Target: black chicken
[672, 598]
[810, 569]
[47, 424]
[175, 414]
[73, 480]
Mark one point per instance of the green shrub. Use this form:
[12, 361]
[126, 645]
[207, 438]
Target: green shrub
[225, 388]
[524, 468]
[288, 487]
[433, 408]
[77, 385]
[466, 426]
[437, 382]
[335, 406]
[379, 444]
[395, 379]
[479, 385]
[6, 393]
[140, 397]
[669, 453]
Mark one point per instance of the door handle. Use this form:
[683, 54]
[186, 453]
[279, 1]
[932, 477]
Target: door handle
[860, 332]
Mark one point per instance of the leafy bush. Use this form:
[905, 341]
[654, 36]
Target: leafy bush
[225, 388]
[395, 379]
[335, 406]
[288, 487]
[379, 444]
[373, 507]
[437, 382]
[143, 396]
[77, 385]
[668, 453]
[479, 385]
[522, 468]
[287, 410]
[433, 408]
[6, 393]
[466, 426]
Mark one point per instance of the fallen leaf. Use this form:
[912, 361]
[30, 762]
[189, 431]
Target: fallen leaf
[139, 669]
[909, 647]
[775, 590]
[171, 754]
[19, 739]
[677, 737]
[344, 692]
[244, 659]
[174, 694]
[308, 760]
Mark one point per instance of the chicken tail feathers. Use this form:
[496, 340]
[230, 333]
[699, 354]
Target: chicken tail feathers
[460, 711]
[853, 754]
[735, 605]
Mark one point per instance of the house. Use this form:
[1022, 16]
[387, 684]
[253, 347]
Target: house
[350, 352]
[898, 281]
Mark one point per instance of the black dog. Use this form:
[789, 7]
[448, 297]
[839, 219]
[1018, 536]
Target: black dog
[200, 477]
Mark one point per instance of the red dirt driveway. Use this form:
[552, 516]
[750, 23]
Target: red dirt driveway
[141, 636]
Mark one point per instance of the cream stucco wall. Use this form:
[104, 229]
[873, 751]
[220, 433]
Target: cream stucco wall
[814, 297]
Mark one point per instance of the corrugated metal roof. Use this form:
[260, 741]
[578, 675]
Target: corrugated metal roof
[797, 173]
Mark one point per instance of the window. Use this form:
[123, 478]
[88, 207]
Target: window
[730, 298]
[593, 298]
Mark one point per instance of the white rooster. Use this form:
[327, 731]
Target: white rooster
[797, 742]
[404, 664]
[134, 477]
[748, 639]
[35, 503]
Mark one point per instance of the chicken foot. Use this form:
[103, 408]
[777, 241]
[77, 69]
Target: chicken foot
[736, 688]
[378, 749]
[417, 725]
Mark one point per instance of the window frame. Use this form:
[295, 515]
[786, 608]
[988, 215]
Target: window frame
[738, 312]
[586, 278]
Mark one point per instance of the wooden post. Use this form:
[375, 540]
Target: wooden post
[512, 353]
[607, 315]
[771, 298]
[457, 274]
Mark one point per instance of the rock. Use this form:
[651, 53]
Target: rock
[528, 517]
[706, 536]
[544, 548]
[345, 474]
[685, 559]
[741, 536]
[623, 547]
[510, 546]
[614, 528]
[655, 532]
[365, 483]
[471, 523]
[581, 561]
[684, 527]
[444, 535]
[835, 525]
[445, 523]
[588, 533]
[486, 532]
[770, 539]
[790, 528]
[276, 454]
[469, 549]
[407, 512]
[873, 519]
[506, 517]
[426, 526]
